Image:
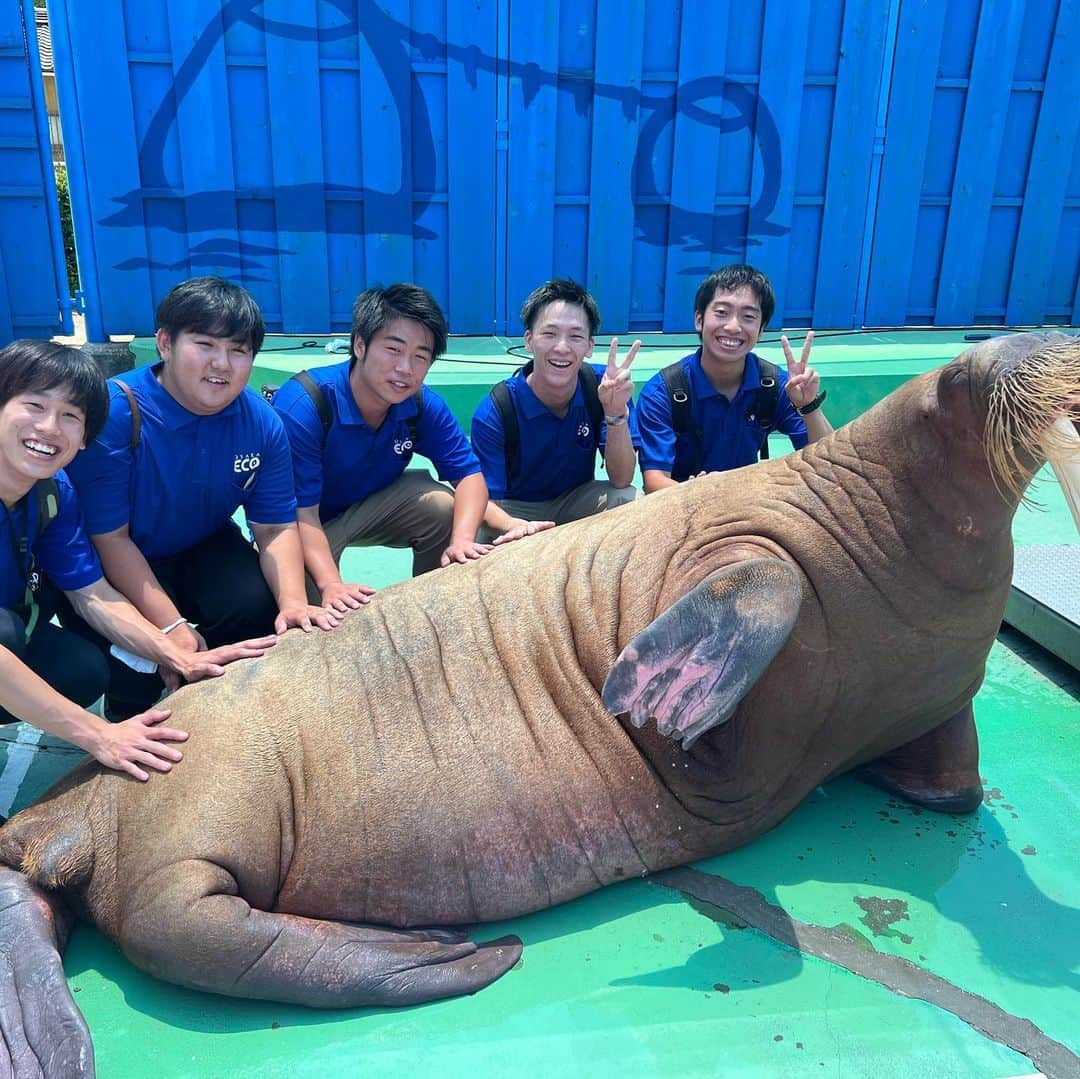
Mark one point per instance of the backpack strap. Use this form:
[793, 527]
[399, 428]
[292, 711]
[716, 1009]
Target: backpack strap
[47, 497]
[679, 392]
[682, 421]
[47, 494]
[318, 398]
[589, 391]
[766, 402]
[413, 421]
[136, 415]
[500, 396]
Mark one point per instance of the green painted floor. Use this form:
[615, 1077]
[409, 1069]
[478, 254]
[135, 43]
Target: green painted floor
[636, 980]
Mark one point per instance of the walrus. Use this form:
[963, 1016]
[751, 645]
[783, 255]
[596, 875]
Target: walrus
[629, 693]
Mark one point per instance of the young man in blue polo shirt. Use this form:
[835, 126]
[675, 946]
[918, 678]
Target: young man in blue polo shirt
[186, 444]
[539, 459]
[53, 398]
[350, 471]
[723, 381]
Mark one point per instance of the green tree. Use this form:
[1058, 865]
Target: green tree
[66, 228]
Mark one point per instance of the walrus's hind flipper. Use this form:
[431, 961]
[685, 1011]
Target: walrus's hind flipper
[938, 771]
[42, 1032]
[691, 666]
[198, 932]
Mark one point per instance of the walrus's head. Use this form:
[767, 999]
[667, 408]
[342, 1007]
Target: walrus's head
[1028, 387]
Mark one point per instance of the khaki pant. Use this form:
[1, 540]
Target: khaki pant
[596, 496]
[414, 511]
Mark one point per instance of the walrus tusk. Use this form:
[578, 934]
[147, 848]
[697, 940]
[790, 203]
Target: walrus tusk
[1066, 465]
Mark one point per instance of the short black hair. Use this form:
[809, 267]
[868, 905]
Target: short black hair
[34, 366]
[375, 307]
[560, 288]
[213, 306]
[730, 278]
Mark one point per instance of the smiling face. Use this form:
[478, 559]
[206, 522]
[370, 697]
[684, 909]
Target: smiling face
[559, 342]
[40, 432]
[391, 367]
[730, 327]
[202, 372]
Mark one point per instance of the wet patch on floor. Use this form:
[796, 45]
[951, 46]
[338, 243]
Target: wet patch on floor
[879, 915]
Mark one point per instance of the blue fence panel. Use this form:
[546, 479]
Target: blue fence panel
[531, 149]
[867, 154]
[727, 128]
[851, 151]
[112, 213]
[977, 218]
[385, 142]
[1050, 215]
[982, 136]
[782, 85]
[650, 179]
[610, 233]
[695, 165]
[475, 177]
[301, 147]
[896, 228]
[297, 165]
[34, 294]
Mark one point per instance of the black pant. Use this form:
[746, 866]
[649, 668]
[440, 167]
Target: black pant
[217, 584]
[73, 667]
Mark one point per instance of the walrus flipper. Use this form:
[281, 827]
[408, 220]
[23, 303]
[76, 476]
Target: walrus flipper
[198, 932]
[691, 666]
[43, 1032]
[938, 771]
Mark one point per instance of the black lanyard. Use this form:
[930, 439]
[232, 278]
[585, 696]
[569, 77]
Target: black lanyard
[24, 560]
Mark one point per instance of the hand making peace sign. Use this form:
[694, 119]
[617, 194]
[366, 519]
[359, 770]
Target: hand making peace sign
[616, 386]
[803, 381]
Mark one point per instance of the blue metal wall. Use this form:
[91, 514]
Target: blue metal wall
[301, 148]
[979, 210]
[33, 281]
[651, 142]
[885, 161]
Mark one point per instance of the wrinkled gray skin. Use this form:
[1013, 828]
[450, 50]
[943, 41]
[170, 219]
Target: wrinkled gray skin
[445, 757]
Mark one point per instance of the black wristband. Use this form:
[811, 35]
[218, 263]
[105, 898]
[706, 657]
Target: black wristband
[813, 406]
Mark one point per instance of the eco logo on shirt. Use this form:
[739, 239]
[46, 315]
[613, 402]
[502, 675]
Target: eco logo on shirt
[246, 462]
[402, 446]
[584, 434]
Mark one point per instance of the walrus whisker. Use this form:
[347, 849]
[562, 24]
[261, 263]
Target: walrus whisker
[1023, 404]
[1066, 465]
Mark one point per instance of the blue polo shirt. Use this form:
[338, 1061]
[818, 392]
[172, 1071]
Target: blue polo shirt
[730, 439]
[188, 474]
[337, 469]
[63, 551]
[557, 453]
